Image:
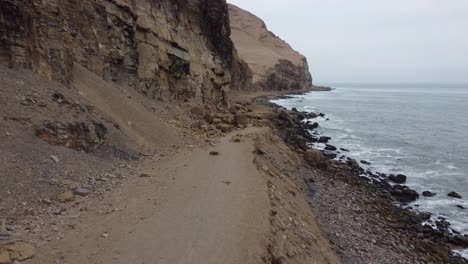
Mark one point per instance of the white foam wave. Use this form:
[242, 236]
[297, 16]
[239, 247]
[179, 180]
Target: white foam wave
[463, 253]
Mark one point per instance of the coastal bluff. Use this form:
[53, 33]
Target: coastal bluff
[276, 66]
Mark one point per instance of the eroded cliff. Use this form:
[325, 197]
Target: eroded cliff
[164, 49]
[275, 65]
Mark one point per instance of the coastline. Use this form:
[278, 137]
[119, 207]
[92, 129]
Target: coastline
[386, 200]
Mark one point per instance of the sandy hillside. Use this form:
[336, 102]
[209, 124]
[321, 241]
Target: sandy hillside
[258, 46]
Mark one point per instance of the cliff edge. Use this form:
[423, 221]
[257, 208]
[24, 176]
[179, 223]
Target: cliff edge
[274, 63]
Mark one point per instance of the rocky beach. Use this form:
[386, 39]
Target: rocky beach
[143, 132]
[366, 213]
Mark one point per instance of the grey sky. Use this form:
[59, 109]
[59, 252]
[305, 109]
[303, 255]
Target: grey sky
[373, 40]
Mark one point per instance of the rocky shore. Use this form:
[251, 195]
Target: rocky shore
[364, 213]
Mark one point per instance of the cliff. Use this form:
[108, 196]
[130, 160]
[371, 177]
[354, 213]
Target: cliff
[275, 65]
[167, 50]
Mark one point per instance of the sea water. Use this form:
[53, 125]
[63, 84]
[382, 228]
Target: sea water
[417, 130]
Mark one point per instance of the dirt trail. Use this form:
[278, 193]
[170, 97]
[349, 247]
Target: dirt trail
[195, 208]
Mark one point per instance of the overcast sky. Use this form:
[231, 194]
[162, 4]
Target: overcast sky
[373, 40]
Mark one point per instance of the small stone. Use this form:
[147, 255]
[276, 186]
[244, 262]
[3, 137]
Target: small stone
[81, 191]
[214, 153]
[145, 175]
[7, 134]
[105, 235]
[46, 201]
[55, 158]
[66, 197]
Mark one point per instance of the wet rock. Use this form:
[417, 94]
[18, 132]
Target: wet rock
[400, 178]
[324, 139]
[425, 216]
[330, 154]
[330, 147]
[365, 162]
[343, 149]
[428, 194]
[315, 158]
[353, 164]
[461, 207]
[404, 194]
[66, 197]
[311, 126]
[454, 195]
[461, 240]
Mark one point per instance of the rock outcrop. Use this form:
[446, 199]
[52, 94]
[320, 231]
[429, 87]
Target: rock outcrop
[168, 50]
[275, 65]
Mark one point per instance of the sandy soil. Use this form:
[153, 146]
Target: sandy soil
[193, 208]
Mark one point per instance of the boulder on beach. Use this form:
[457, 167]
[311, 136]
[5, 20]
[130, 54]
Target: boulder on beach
[400, 178]
[353, 164]
[330, 147]
[324, 139]
[404, 194]
[315, 158]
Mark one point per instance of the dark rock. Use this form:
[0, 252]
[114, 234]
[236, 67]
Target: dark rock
[400, 178]
[330, 147]
[461, 207]
[404, 194]
[454, 195]
[353, 164]
[461, 240]
[428, 194]
[324, 139]
[311, 126]
[294, 109]
[365, 162]
[329, 154]
[425, 216]
[343, 149]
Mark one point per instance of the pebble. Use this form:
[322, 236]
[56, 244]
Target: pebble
[55, 158]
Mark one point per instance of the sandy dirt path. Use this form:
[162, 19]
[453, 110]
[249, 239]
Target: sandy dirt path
[195, 208]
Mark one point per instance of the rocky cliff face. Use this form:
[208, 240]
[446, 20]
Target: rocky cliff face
[275, 65]
[166, 49]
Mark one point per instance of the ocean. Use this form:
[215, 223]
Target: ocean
[417, 130]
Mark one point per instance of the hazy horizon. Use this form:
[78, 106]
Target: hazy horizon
[422, 41]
